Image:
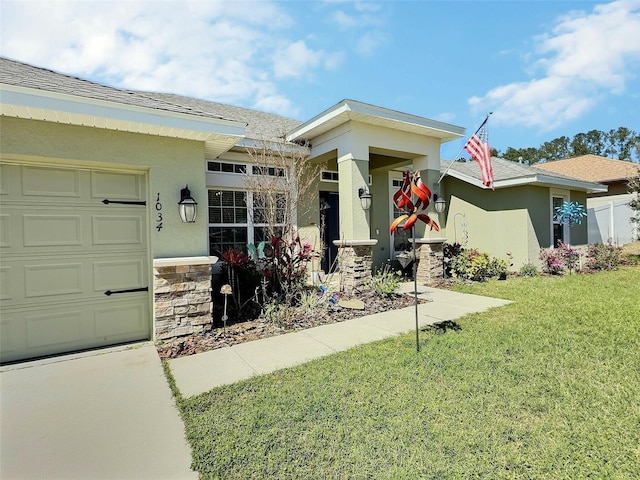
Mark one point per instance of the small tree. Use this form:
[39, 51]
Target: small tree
[282, 181]
[633, 185]
[283, 184]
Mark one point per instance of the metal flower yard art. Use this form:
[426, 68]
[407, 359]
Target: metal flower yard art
[412, 184]
[570, 213]
[413, 188]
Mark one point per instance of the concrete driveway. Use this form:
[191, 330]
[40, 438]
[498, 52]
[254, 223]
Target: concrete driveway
[106, 414]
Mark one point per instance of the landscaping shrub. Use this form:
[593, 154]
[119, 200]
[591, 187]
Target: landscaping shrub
[528, 270]
[477, 266]
[556, 260]
[449, 252]
[385, 282]
[603, 257]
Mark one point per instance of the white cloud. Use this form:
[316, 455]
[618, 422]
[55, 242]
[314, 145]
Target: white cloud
[220, 50]
[583, 58]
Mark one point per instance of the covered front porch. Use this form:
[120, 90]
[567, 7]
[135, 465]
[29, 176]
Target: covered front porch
[365, 149]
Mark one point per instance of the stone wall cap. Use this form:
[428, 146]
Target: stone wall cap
[430, 240]
[172, 262]
[354, 243]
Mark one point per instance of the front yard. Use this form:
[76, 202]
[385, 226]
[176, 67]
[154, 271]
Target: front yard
[546, 387]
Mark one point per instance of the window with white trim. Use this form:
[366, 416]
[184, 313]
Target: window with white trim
[238, 218]
[559, 230]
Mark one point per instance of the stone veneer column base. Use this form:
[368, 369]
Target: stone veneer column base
[354, 263]
[430, 260]
[182, 297]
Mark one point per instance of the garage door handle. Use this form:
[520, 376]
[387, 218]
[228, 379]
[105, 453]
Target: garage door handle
[130, 290]
[106, 201]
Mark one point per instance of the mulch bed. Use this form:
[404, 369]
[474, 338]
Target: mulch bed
[249, 330]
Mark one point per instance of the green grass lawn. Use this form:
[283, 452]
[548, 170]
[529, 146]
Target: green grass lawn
[546, 387]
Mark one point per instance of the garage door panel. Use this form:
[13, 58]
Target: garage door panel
[8, 343]
[50, 182]
[119, 274]
[5, 231]
[119, 186]
[122, 322]
[52, 230]
[6, 283]
[55, 330]
[118, 230]
[53, 279]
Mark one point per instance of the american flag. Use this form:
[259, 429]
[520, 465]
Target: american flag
[478, 148]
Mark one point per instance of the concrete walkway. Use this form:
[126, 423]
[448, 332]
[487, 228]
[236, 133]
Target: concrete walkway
[109, 414]
[200, 373]
[106, 414]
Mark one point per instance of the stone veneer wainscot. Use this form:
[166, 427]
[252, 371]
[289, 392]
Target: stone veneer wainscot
[182, 303]
[354, 263]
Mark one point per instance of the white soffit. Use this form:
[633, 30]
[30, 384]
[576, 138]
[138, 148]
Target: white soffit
[350, 110]
[219, 135]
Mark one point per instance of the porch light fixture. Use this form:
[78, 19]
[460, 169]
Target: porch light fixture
[365, 198]
[439, 203]
[187, 206]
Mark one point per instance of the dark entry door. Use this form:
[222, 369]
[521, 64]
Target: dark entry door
[330, 225]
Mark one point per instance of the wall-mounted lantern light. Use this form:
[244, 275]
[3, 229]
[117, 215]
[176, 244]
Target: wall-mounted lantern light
[439, 203]
[365, 198]
[187, 206]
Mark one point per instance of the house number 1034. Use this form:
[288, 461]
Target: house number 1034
[158, 213]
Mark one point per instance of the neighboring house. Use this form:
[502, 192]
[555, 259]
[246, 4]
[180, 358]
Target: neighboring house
[93, 250]
[608, 212]
[518, 217]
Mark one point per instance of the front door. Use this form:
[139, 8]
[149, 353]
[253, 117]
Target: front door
[329, 228]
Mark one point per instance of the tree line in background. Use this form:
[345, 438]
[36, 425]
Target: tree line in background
[621, 144]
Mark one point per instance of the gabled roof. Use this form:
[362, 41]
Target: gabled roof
[352, 110]
[593, 168]
[260, 125]
[40, 94]
[510, 174]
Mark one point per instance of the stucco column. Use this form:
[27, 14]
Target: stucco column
[353, 174]
[355, 247]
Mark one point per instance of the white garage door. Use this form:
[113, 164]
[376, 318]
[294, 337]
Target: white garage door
[74, 271]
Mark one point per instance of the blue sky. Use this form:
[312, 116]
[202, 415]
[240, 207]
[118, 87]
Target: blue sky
[545, 68]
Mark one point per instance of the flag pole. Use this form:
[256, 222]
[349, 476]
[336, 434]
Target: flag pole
[460, 151]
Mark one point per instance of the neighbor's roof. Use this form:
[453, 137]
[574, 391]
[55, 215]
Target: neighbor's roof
[593, 168]
[510, 174]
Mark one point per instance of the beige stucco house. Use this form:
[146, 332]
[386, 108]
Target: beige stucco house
[94, 252]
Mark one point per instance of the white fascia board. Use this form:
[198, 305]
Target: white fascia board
[18, 101]
[349, 109]
[330, 114]
[401, 117]
[532, 179]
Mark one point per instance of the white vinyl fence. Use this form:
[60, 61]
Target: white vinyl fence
[609, 222]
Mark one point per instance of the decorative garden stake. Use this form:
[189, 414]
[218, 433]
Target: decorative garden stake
[403, 199]
[570, 213]
[226, 291]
